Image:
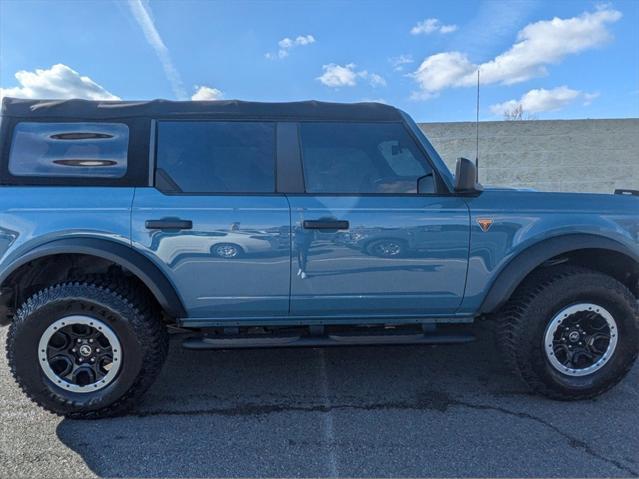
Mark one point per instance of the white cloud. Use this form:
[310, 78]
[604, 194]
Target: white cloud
[336, 76]
[56, 83]
[538, 45]
[443, 70]
[398, 62]
[376, 80]
[142, 14]
[205, 93]
[541, 100]
[448, 29]
[589, 97]
[287, 44]
[374, 100]
[431, 25]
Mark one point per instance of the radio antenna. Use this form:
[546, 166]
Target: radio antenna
[477, 131]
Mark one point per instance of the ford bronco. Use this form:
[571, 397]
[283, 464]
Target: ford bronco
[249, 225]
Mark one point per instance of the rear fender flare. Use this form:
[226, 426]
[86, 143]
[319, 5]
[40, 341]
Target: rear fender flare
[125, 256]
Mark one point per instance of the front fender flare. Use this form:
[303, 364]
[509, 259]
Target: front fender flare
[123, 255]
[509, 278]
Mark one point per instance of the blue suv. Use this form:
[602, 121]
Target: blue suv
[244, 225]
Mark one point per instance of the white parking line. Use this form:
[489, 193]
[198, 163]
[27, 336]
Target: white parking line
[327, 417]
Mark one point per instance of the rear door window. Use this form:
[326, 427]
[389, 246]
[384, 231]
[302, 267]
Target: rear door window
[217, 156]
[93, 150]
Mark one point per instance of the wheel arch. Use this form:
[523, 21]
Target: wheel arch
[124, 256]
[570, 247]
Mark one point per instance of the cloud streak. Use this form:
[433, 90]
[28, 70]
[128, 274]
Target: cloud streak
[400, 61]
[142, 14]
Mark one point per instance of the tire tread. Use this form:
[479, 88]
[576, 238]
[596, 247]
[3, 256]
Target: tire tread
[512, 322]
[144, 320]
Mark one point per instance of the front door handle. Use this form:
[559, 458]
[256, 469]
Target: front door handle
[325, 224]
[169, 224]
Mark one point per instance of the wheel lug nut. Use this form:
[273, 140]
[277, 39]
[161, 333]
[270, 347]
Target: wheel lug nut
[92, 360]
[97, 350]
[73, 350]
[90, 340]
[79, 340]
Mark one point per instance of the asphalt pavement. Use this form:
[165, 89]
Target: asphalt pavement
[353, 412]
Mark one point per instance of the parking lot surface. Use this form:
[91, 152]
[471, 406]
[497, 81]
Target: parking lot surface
[352, 412]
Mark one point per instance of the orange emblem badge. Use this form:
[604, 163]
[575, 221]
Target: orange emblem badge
[484, 223]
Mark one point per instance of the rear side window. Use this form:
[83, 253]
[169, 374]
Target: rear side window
[93, 150]
[217, 157]
[376, 158]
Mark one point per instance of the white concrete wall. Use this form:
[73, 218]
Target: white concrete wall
[550, 155]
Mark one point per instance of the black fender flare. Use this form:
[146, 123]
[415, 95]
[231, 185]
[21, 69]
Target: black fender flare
[511, 276]
[125, 256]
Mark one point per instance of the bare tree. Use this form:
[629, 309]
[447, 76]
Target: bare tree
[515, 113]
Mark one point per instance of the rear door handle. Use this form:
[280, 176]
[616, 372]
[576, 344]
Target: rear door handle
[325, 225]
[169, 224]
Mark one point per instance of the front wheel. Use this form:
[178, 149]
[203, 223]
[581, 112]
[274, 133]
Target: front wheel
[570, 333]
[87, 349]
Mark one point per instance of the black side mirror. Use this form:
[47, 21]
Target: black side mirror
[466, 177]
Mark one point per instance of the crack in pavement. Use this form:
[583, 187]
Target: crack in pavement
[430, 400]
[573, 442]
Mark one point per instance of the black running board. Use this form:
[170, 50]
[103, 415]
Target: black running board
[338, 339]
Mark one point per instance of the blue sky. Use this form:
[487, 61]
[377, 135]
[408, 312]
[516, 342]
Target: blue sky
[557, 59]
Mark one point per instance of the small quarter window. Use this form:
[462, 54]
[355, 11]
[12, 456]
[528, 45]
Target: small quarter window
[71, 150]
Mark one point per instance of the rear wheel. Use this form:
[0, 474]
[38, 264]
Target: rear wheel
[87, 349]
[570, 333]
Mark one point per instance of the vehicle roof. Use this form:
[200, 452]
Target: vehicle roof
[233, 109]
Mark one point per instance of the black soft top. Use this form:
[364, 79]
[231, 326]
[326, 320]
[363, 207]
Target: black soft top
[98, 110]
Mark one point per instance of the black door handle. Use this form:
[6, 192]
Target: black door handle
[325, 224]
[169, 224]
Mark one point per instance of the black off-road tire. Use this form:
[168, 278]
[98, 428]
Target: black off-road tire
[118, 303]
[522, 323]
